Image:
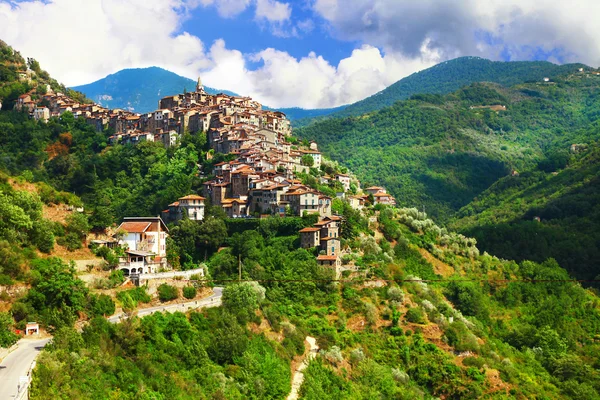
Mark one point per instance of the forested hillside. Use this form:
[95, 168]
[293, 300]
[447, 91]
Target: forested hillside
[550, 211]
[441, 151]
[451, 75]
[417, 313]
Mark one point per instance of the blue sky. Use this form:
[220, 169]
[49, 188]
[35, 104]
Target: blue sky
[307, 53]
[244, 33]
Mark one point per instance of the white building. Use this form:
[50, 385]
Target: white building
[42, 113]
[146, 241]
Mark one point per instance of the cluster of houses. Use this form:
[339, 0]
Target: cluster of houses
[261, 179]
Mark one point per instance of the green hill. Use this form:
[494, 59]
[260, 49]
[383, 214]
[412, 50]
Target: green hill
[441, 151]
[451, 75]
[563, 194]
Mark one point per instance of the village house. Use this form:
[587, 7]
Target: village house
[325, 206]
[145, 241]
[356, 202]
[41, 113]
[190, 206]
[330, 245]
[344, 179]
[310, 237]
[330, 262]
[235, 208]
[383, 198]
[302, 201]
[316, 156]
[375, 189]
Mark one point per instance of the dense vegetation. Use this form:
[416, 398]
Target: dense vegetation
[563, 192]
[438, 152]
[521, 338]
[451, 75]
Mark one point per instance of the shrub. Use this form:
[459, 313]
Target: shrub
[101, 305]
[415, 315]
[333, 355]
[395, 294]
[400, 376]
[167, 292]
[458, 335]
[356, 356]
[189, 292]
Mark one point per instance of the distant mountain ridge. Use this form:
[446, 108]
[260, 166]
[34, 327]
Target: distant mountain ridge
[451, 75]
[139, 89]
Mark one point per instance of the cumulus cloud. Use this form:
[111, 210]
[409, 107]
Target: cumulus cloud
[518, 29]
[82, 41]
[273, 11]
[227, 8]
[311, 81]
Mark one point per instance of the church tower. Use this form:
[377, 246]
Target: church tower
[199, 86]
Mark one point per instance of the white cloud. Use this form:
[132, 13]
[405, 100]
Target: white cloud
[519, 28]
[273, 11]
[78, 42]
[227, 8]
[311, 81]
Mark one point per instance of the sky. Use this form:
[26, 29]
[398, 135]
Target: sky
[294, 53]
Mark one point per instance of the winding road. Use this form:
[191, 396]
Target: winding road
[15, 367]
[211, 301]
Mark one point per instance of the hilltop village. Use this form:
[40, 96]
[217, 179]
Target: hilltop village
[263, 178]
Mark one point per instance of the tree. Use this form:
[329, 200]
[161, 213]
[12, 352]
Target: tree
[56, 293]
[307, 160]
[101, 305]
[212, 233]
[7, 336]
[243, 299]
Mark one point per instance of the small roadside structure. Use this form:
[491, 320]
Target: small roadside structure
[32, 328]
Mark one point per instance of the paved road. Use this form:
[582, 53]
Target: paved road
[17, 364]
[211, 301]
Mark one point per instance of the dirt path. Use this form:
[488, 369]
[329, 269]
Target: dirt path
[298, 377]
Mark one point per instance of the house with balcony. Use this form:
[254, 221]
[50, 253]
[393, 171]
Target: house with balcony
[145, 243]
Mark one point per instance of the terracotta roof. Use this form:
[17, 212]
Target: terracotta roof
[309, 229]
[321, 223]
[192, 197]
[329, 238]
[327, 258]
[135, 227]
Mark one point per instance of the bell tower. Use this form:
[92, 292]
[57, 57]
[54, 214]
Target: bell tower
[199, 86]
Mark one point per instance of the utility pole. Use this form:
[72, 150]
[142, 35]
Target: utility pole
[239, 267]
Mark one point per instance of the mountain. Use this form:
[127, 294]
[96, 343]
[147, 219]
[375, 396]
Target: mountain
[552, 210]
[139, 89]
[440, 152]
[451, 75]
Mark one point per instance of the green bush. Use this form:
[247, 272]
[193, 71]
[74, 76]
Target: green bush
[167, 292]
[415, 315]
[189, 292]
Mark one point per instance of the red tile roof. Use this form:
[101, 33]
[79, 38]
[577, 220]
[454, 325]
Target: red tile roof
[309, 229]
[135, 227]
